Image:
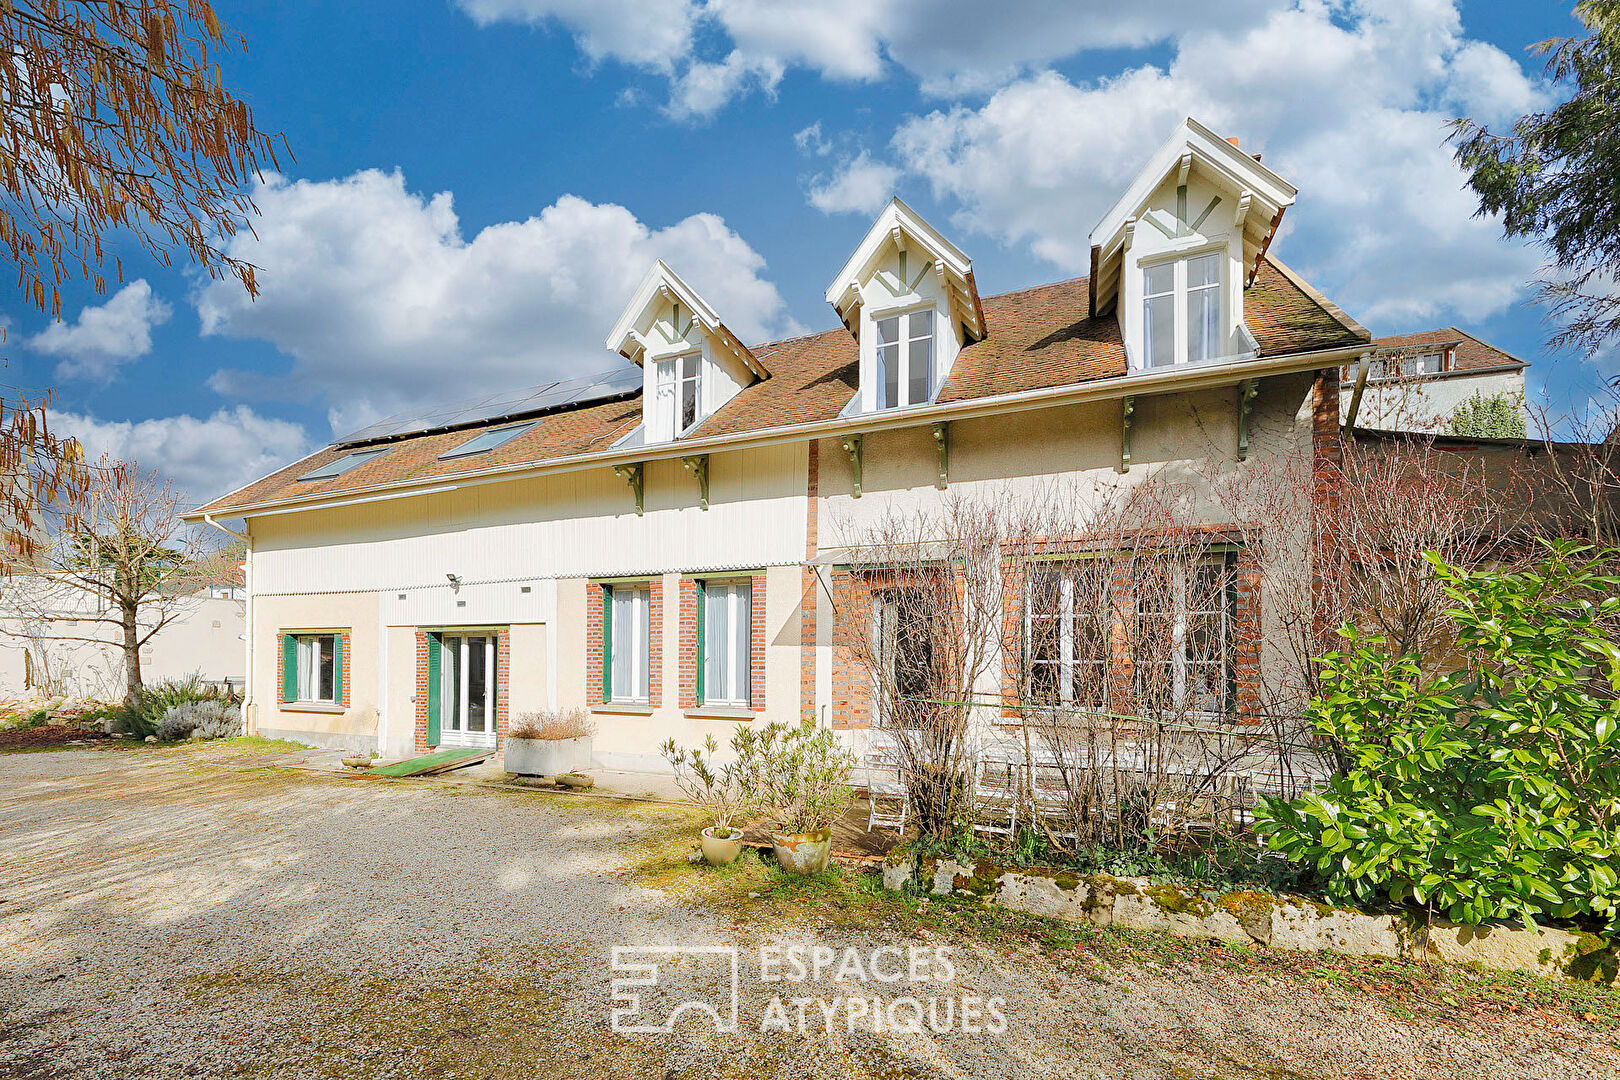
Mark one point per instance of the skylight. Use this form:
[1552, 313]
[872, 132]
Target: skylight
[342, 465]
[488, 440]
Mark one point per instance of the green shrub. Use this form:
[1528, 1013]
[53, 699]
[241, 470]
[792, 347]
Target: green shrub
[1499, 416]
[1490, 792]
[156, 699]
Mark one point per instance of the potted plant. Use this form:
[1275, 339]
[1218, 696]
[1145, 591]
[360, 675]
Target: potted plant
[549, 743]
[716, 789]
[800, 778]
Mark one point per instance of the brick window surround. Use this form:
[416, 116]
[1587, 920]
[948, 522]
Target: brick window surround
[687, 648]
[595, 595]
[347, 666]
[503, 685]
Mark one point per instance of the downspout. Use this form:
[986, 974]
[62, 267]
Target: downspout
[1363, 365]
[249, 712]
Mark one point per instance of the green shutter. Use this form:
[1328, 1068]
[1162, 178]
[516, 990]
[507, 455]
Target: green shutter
[337, 669]
[607, 643]
[289, 668]
[435, 645]
[702, 603]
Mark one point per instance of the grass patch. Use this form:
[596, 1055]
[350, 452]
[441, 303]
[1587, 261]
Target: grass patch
[755, 892]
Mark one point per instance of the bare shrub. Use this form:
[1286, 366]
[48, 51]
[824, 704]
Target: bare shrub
[552, 724]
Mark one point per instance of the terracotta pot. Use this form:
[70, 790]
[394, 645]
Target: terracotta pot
[803, 853]
[721, 850]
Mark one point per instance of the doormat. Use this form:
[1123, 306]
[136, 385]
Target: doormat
[442, 761]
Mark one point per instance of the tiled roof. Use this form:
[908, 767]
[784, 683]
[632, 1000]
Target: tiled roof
[1038, 338]
[1472, 353]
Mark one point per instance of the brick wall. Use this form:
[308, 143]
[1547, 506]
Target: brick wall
[422, 640]
[1327, 478]
[655, 642]
[851, 686]
[756, 643]
[809, 594]
[593, 641]
[1012, 638]
[1247, 634]
[687, 647]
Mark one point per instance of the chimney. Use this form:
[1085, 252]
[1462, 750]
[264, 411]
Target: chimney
[1233, 140]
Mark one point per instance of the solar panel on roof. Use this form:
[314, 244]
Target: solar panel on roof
[510, 405]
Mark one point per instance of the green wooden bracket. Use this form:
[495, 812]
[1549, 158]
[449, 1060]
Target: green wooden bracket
[631, 474]
[1127, 407]
[1248, 389]
[942, 442]
[852, 447]
[700, 469]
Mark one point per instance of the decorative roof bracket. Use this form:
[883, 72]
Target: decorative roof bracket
[1248, 389]
[942, 442]
[852, 447]
[699, 465]
[632, 474]
[1127, 407]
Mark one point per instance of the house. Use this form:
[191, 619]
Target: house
[1415, 382]
[61, 644]
[664, 544]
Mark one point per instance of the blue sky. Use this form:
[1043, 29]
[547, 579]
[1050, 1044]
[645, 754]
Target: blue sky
[477, 185]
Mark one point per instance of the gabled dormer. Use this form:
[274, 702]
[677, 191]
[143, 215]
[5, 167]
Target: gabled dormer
[908, 296]
[691, 363]
[1174, 255]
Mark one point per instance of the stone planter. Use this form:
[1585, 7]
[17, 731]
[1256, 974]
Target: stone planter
[803, 853]
[721, 846]
[547, 757]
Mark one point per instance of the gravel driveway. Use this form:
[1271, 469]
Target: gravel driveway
[161, 917]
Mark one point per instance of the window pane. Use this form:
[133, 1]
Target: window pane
[689, 403]
[1159, 280]
[1160, 323]
[742, 668]
[716, 643]
[630, 644]
[306, 668]
[1203, 270]
[477, 685]
[888, 361]
[1429, 363]
[450, 684]
[324, 690]
[920, 370]
[1203, 329]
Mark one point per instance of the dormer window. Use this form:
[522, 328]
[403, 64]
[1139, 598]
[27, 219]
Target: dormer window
[680, 391]
[905, 358]
[1181, 310]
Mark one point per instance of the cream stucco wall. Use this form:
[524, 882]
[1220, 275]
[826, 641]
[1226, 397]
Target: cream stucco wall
[1425, 404]
[354, 725]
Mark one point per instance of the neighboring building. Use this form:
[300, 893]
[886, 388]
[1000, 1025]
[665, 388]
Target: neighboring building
[43, 655]
[1414, 382]
[664, 546]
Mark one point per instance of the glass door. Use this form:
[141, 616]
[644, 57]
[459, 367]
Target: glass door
[467, 689]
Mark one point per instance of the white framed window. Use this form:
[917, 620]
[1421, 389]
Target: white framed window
[467, 689]
[679, 392]
[1429, 363]
[1181, 310]
[905, 358]
[728, 625]
[904, 621]
[1182, 646]
[316, 667]
[1068, 633]
[626, 633]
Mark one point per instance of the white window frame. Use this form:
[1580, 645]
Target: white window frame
[636, 639]
[1181, 304]
[455, 694]
[1438, 357]
[1068, 664]
[1181, 615]
[728, 643]
[310, 648]
[671, 384]
[905, 337]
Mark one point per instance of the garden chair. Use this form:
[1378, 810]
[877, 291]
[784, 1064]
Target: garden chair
[888, 802]
[998, 769]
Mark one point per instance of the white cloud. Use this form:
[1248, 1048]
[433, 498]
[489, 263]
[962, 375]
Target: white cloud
[205, 457]
[106, 336]
[384, 305]
[649, 33]
[951, 47]
[860, 185]
[1382, 220]
[809, 141]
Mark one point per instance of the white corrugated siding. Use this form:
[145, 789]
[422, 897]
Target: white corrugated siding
[574, 525]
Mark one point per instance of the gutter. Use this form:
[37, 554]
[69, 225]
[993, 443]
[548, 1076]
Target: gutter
[1180, 379]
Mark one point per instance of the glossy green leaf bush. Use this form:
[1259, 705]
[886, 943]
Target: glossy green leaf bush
[1491, 792]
